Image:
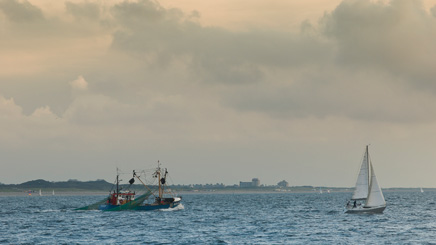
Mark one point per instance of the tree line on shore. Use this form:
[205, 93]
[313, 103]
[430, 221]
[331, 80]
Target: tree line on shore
[103, 185]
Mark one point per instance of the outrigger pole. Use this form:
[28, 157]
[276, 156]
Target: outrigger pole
[134, 174]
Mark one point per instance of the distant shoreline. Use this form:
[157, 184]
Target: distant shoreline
[102, 187]
[63, 193]
[4, 193]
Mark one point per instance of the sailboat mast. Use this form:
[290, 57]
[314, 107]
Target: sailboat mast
[367, 164]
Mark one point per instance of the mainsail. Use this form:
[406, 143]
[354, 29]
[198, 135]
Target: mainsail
[375, 197]
[362, 183]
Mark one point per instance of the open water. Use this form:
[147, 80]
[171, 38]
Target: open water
[275, 218]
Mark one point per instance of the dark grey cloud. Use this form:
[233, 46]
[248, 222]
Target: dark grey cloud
[397, 37]
[217, 55]
[380, 66]
[21, 12]
[433, 11]
[84, 10]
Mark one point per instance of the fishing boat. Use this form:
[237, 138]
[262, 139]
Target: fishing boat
[368, 196]
[122, 198]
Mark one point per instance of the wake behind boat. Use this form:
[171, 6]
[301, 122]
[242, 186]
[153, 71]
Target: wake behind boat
[368, 196]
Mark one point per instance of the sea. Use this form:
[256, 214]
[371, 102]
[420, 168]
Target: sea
[228, 218]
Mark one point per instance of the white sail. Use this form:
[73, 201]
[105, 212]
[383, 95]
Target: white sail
[375, 197]
[362, 184]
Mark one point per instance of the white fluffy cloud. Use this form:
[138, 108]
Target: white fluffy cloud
[80, 83]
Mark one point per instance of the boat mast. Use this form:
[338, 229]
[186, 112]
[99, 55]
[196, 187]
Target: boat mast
[117, 182]
[368, 175]
[158, 177]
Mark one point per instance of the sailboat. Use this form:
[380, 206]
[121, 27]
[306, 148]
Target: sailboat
[368, 196]
[53, 193]
[422, 191]
[40, 193]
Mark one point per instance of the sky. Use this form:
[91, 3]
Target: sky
[219, 91]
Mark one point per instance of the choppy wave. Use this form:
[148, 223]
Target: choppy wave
[275, 218]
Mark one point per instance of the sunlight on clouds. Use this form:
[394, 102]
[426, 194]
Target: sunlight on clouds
[80, 83]
[8, 108]
[43, 113]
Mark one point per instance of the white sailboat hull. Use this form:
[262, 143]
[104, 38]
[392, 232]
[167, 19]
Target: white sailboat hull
[365, 210]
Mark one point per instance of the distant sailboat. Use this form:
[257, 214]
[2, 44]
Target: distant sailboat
[422, 191]
[320, 190]
[367, 191]
[53, 193]
[40, 193]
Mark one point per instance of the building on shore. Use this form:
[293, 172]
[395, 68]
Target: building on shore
[283, 184]
[255, 182]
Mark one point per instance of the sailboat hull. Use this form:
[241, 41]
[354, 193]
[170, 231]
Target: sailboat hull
[365, 210]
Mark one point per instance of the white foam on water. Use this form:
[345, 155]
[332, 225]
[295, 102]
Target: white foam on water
[179, 207]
